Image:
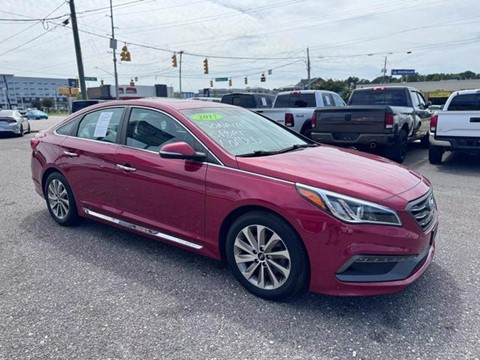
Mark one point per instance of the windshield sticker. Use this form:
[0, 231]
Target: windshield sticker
[209, 117]
[102, 124]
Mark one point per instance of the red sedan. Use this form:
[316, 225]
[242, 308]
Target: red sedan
[284, 212]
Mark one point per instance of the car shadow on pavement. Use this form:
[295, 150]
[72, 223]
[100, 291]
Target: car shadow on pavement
[423, 316]
[459, 164]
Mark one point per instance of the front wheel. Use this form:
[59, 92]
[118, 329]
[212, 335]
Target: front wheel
[267, 256]
[60, 201]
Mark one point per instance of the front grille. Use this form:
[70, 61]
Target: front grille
[423, 211]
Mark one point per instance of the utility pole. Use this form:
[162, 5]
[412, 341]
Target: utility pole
[308, 68]
[113, 46]
[180, 74]
[78, 50]
[384, 70]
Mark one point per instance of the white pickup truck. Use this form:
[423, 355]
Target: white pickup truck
[294, 109]
[457, 126]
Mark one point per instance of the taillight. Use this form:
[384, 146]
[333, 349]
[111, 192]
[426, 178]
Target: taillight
[433, 122]
[388, 120]
[34, 143]
[36, 140]
[314, 119]
[289, 120]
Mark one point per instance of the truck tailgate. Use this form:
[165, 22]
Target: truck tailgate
[458, 124]
[351, 119]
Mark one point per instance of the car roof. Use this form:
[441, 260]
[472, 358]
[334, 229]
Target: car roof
[7, 112]
[174, 104]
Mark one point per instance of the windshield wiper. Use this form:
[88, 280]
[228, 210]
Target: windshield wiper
[266, 153]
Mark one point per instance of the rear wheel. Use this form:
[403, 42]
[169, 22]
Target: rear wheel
[267, 256]
[398, 150]
[60, 201]
[425, 141]
[435, 154]
[307, 129]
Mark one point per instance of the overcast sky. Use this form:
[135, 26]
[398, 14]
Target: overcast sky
[346, 38]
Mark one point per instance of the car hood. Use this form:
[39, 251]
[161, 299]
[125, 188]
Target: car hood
[345, 171]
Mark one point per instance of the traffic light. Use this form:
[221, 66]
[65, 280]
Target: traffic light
[174, 60]
[132, 83]
[101, 82]
[263, 78]
[246, 80]
[125, 54]
[211, 83]
[205, 66]
[229, 82]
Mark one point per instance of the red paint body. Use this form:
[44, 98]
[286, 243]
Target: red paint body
[191, 200]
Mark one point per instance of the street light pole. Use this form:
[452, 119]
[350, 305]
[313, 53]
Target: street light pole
[113, 45]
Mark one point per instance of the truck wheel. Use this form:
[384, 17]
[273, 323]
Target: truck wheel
[435, 154]
[307, 129]
[425, 141]
[398, 150]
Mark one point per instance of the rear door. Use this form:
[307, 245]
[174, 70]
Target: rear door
[88, 159]
[165, 195]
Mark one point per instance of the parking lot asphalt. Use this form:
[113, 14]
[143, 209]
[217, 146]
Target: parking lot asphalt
[97, 292]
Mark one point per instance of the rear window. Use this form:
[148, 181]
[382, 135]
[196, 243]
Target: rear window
[468, 102]
[393, 97]
[296, 101]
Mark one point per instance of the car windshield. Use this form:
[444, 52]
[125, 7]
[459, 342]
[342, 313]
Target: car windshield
[241, 132]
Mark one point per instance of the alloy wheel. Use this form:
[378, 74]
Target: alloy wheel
[58, 199]
[262, 257]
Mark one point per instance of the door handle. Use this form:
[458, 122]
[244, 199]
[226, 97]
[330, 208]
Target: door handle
[125, 168]
[70, 153]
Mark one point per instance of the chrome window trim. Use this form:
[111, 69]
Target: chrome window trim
[132, 107]
[145, 230]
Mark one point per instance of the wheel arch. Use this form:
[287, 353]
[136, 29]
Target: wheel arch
[238, 212]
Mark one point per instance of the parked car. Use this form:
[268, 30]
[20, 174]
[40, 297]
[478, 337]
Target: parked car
[294, 109]
[35, 115]
[21, 110]
[384, 117]
[11, 121]
[227, 183]
[249, 100]
[457, 127]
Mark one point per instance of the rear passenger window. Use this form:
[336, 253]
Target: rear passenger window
[101, 125]
[338, 100]
[66, 129]
[327, 100]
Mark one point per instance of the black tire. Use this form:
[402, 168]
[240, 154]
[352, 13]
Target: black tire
[57, 191]
[398, 150]
[307, 129]
[435, 154]
[294, 260]
[425, 141]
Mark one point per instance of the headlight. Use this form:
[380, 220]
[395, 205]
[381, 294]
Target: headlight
[349, 209]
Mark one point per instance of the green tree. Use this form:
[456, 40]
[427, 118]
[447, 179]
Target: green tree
[36, 104]
[47, 103]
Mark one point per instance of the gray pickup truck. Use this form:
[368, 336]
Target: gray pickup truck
[384, 117]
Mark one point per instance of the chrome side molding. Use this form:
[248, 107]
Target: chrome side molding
[143, 229]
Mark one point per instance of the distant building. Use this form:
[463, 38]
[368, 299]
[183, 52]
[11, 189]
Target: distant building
[435, 91]
[20, 91]
[107, 92]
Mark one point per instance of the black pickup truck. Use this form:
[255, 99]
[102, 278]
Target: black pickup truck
[387, 118]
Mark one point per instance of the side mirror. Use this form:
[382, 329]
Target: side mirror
[180, 150]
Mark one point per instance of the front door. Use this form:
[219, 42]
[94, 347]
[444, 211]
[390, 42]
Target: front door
[166, 195]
